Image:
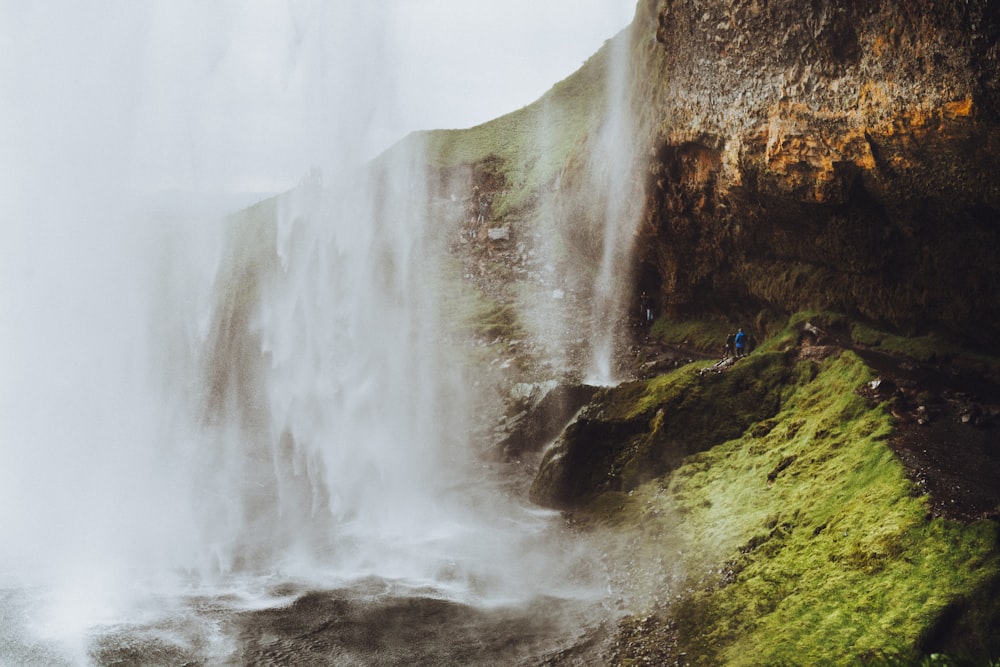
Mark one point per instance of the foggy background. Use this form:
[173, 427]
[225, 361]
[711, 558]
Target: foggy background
[104, 105]
[229, 96]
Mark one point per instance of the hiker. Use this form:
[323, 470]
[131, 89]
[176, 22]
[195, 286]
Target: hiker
[730, 346]
[740, 340]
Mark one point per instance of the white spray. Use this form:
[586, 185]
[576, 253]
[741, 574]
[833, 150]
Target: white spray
[190, 404]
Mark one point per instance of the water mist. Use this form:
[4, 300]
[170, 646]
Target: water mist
[239, 408]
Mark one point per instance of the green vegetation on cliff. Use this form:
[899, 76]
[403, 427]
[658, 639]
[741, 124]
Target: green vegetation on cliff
[797, 539]
[641, 430]
[527, 148]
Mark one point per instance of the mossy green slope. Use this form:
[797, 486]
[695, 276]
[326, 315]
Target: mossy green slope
[801, 541]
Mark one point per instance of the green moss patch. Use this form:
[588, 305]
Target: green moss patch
[928, 348]
[800, 540]
[704, 335]
[641, 430]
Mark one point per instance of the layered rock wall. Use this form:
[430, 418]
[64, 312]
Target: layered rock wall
[835, 155]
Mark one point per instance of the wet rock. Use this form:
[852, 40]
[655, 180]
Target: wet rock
[499, 233]
[611, 447]
[883, 387]
[344, 628]
[530, 393]
[923, 417]
[815, 335]
[550, 407]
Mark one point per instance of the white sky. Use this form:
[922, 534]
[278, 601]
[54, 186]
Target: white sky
[231, 95]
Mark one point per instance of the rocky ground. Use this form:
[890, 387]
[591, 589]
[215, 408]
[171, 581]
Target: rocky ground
[947, 418]
[947, 433]
[346, 628]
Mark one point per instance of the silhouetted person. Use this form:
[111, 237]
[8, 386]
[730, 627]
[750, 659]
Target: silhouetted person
[645, 307]
[730, 346]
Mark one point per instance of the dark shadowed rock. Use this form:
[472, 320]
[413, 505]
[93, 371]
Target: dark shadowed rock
[341, 628]
[545, 419]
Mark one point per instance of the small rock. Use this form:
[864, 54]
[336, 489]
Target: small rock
[499, 233]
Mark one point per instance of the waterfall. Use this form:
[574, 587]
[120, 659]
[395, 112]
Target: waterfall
[613, 173]
[195, 404]
[330, 415]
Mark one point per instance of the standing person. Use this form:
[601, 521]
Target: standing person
[741, 341]
[645, 309]
[730, 346]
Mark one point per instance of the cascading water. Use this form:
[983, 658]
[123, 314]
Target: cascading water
[199, 415]
[335, 419]
[613, 173]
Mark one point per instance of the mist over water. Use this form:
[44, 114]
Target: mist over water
[235, 409]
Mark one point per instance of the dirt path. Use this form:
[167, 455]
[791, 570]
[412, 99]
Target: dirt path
[947, 432]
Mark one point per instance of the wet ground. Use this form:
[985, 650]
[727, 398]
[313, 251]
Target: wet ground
[329, 629]
[361, 626]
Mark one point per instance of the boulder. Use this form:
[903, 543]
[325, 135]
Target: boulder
[550, 407]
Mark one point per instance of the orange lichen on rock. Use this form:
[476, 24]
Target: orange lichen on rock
[959, 108]
[803, 150]
[942, 123]
[874, 99]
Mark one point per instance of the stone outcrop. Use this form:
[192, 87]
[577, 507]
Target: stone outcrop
[641, 430]
[542, 418]
[834, 155]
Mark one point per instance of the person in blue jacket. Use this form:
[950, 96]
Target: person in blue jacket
[741, 343]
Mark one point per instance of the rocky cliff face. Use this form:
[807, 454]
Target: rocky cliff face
[836, 155]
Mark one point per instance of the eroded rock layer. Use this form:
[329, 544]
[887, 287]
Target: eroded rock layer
[836, 155]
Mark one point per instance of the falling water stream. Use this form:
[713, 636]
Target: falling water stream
[613, 173]
[215, 429]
